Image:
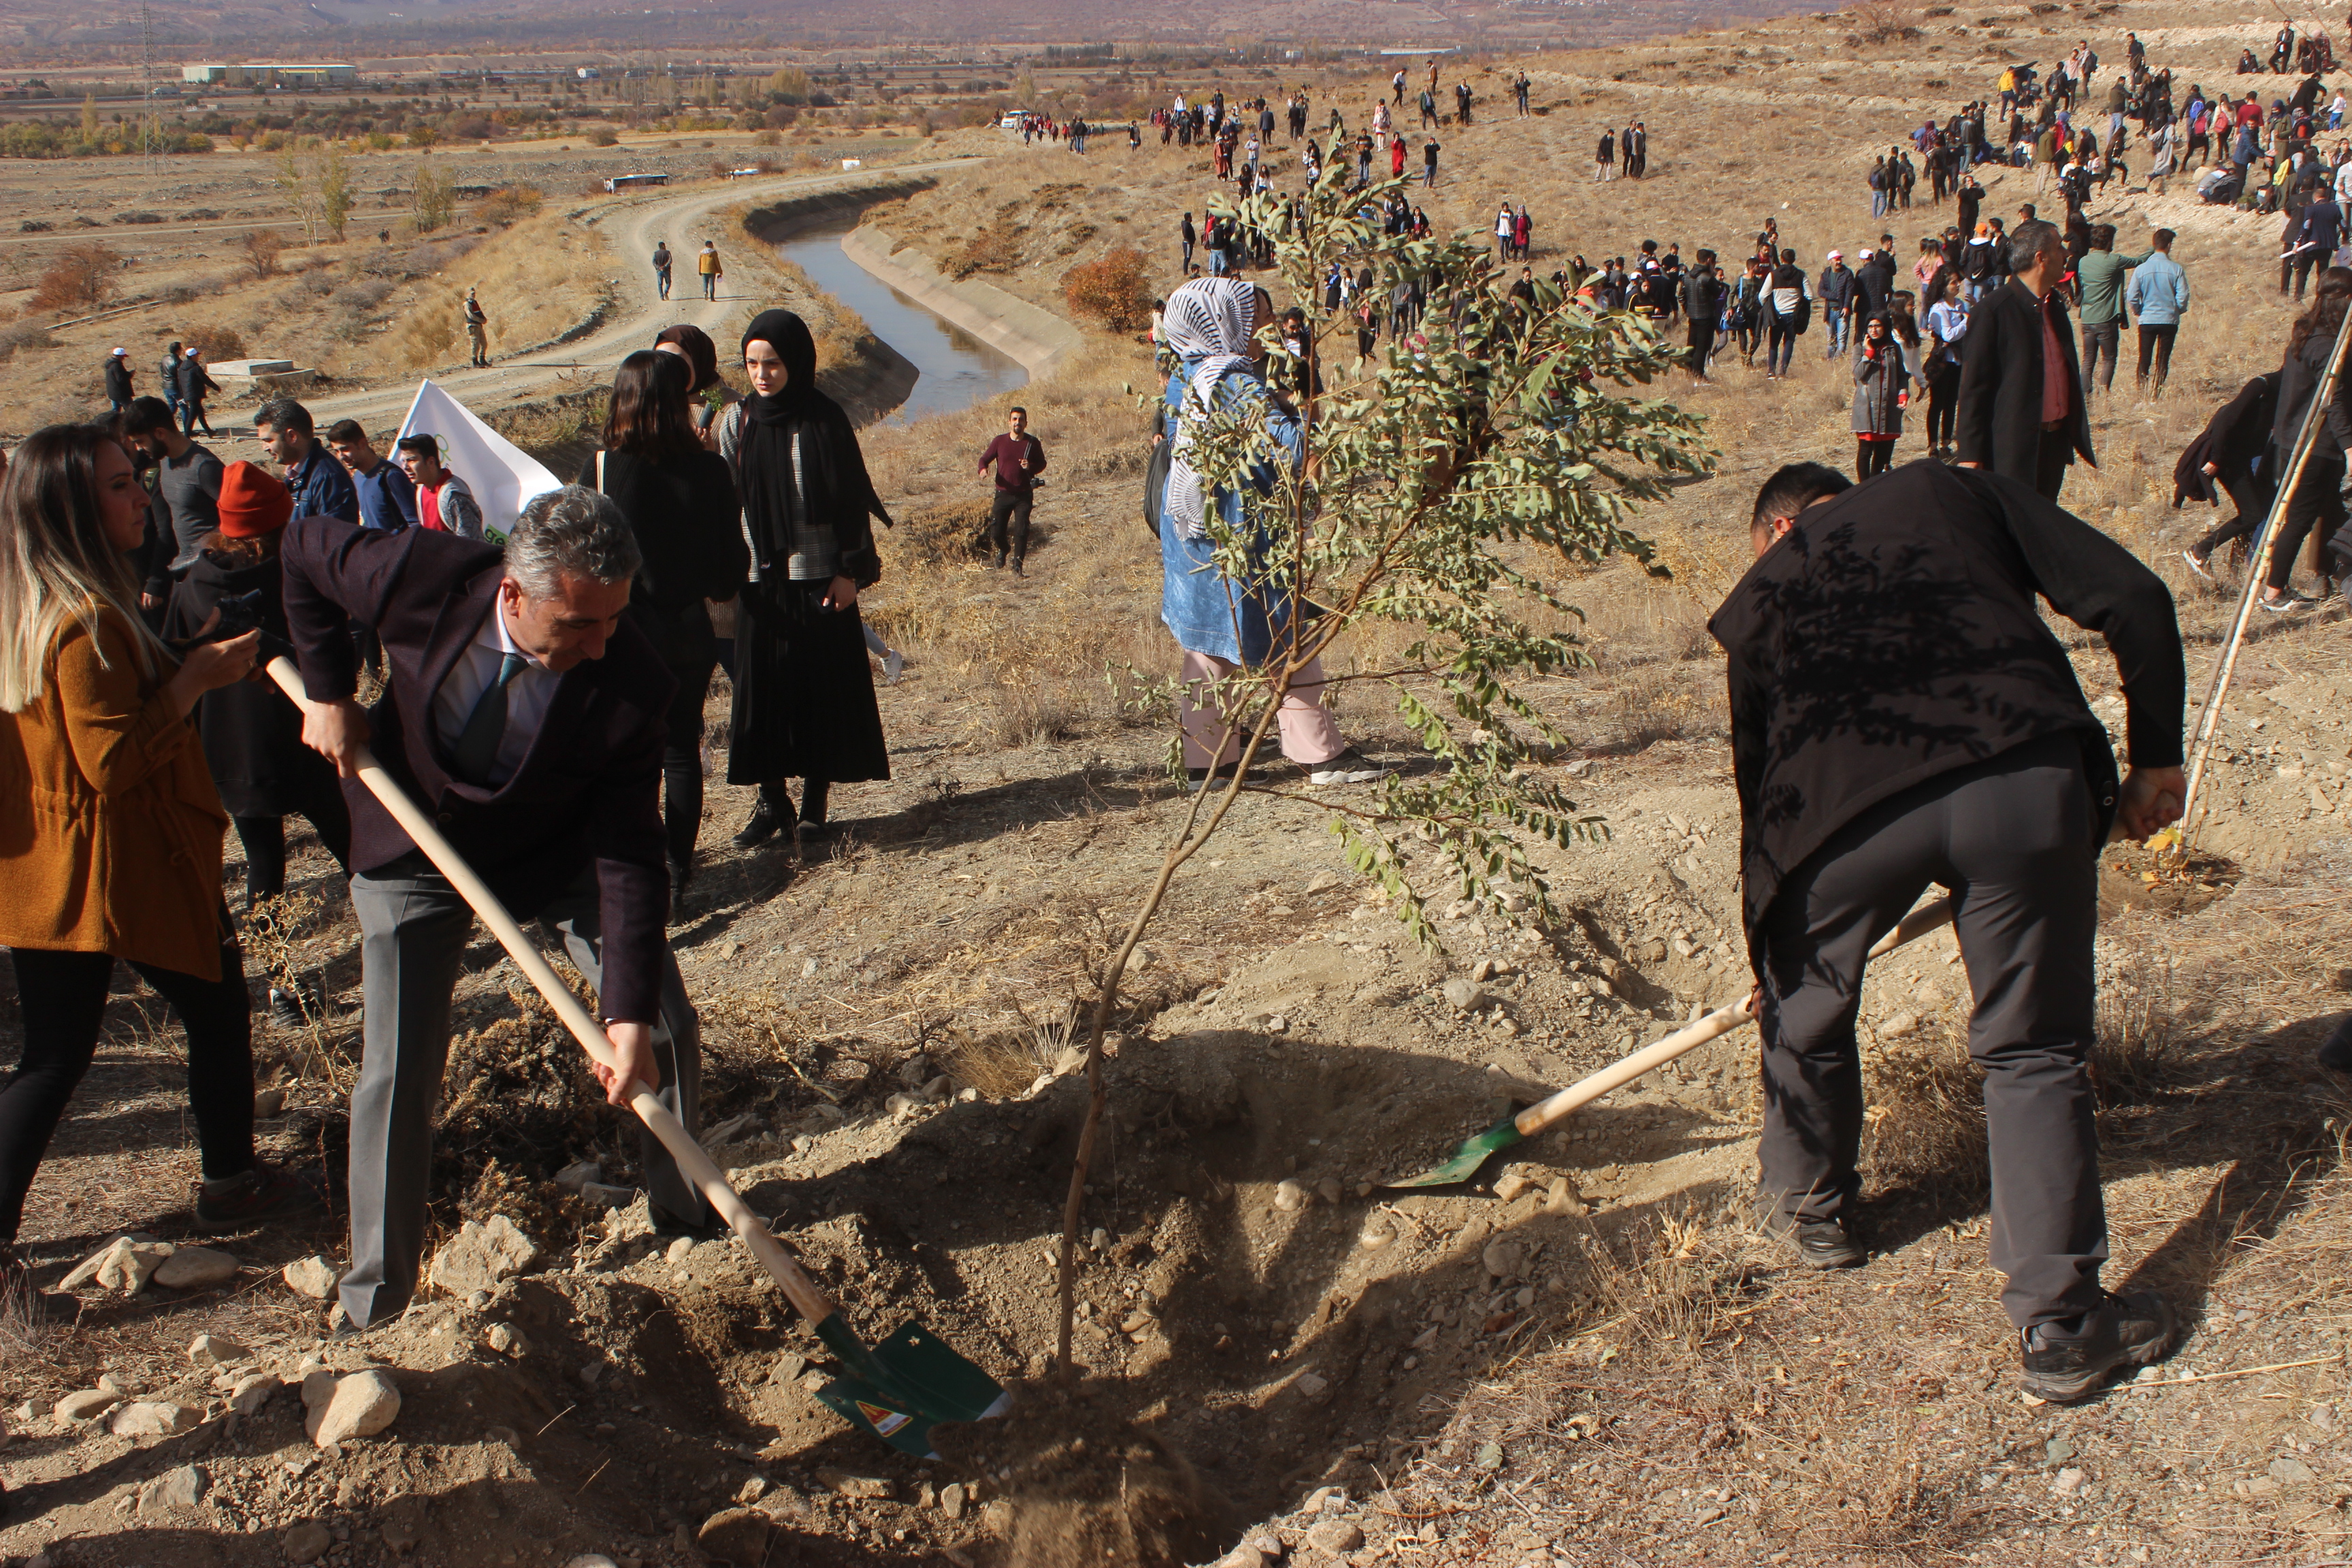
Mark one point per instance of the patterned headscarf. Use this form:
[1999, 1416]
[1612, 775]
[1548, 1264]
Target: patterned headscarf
[1208, 326]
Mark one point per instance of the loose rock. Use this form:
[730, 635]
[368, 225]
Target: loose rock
[182, 1488]
[1511, 1185]
[361, 1405]
[306, 1541]
[848, 1485]
[129, 1266]
[212, 1350]
[1336, 1535]
[86, 1405]
[155, 1419]
[1291, 1197]
[952, 1499]
[483, 1256]
[736, 1535]
[1502, 1257]
[251, 1393]
[1899, 1026]
[1563, 1198]
[313, 1277]
[1466, 996]
[196, 1269]
[578, 1174]
[268, 1102]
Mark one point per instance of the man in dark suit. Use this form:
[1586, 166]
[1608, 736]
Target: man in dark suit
[528, 716]
[2022, 412]
[1901, 716]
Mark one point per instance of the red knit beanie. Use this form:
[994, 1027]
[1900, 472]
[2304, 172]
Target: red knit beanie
[253, 501]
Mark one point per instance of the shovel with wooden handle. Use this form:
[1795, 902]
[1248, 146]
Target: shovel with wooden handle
[896, 1389]
[1478, 1151]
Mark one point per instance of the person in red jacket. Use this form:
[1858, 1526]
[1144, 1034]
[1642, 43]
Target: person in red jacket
[1017, 457]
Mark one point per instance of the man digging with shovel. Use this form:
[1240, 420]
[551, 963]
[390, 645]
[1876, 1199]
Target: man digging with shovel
[525, 713]
[1900, 715]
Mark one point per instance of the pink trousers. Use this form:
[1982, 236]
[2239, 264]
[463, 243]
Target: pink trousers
[1309, 733]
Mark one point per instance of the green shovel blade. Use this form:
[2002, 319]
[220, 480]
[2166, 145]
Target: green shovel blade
[900, 1388]
[1466, 1159]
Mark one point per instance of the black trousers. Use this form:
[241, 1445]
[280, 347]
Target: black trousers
[2318, 502]
[2011, 837]
[1012, 506]
[2051, 463]
[1943, 403]
[1871, 458]
[62, 997]
[682, 763]
[2253, 496]
[2156, 344]
[1702, 345]
[264, 837]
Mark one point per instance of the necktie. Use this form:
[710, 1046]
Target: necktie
[477, 744]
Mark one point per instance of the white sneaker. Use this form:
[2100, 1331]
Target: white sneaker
[1350, 767]
[2197, 565]
[893, 664]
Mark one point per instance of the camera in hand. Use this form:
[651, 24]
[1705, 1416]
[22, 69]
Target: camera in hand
[240, 613]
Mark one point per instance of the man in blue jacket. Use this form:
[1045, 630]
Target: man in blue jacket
[387, 496]
[320, 486]
[2158, 297]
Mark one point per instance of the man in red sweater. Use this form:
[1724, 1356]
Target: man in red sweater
[1018, 458]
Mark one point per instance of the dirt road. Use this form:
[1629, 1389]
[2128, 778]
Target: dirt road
[635, 313]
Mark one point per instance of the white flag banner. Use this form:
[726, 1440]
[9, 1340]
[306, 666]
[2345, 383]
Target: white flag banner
[502, 476]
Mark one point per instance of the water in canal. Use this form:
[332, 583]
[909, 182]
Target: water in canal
[957, 370]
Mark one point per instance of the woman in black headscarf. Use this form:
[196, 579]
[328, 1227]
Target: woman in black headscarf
[804, 696]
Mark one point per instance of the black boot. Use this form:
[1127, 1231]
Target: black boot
[814, 793]
[765, 820]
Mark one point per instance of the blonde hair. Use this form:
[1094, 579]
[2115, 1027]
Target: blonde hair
[56, 563]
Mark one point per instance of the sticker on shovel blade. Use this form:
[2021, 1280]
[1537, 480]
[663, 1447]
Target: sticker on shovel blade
[883, 1420]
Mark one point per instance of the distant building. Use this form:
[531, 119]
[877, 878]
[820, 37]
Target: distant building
[272, 73]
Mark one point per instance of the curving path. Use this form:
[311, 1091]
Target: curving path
[682, 216]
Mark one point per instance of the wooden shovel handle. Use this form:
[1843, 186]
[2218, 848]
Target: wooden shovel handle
[697, 1166]
[1714, 1026]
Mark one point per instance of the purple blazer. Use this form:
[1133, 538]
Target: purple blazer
[587, 790]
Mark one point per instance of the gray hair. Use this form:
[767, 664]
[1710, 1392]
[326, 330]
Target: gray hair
[573, 532]
[2027, 242]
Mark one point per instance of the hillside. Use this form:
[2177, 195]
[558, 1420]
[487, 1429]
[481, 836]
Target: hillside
[1589, 1359]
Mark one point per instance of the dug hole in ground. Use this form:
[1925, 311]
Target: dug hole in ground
[1590, 1358]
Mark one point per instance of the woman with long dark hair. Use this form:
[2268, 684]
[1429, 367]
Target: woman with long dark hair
[110, 829]
[804, 702]
[680, 502]
[2319, 498]
[707, 393]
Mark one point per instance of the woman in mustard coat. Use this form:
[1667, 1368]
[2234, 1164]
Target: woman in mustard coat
[109, 829]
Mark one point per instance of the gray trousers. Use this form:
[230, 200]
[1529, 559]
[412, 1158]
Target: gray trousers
[413, 928]
[2012, 838]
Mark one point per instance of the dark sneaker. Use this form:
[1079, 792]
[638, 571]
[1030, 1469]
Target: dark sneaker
[1827, 1243]
[1017, 570]
[2126, 1330]
[666, 1223]
[286, 1009]
[809, 832]
[2335, 1054]
[762, 827]
[1221, 774]
[1350, 767]
[260, 1197]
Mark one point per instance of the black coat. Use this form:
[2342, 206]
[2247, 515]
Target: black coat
[687, 521]
[2000, 420]
[252, 735]
[1893, 636]
[588, 792]
[2299, 377]
[2239, 432]
[118, 379]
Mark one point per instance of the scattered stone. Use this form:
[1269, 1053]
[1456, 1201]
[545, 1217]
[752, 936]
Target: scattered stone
[752, 1491]
[267, 1103]
[736, 1535]
[313, 1277]
[604, 1196]
[1246, 1555]
[2066, 1482]
[2057, 1451]
[306, 1541]
[483, 1256]
[1328, 1189]
[129, 1266]
[952, 1498]
[788, 1368]
[197, 1268]
[1510, 1186]
[1313, 1385]
[1490, 1456]
[1466, 995]
[1335, 1536]
[86, 1405]
[361, 1405]
[502, 1338]
[155, 1419]
[2288, 1471]
[1375, 1235]
[182, 1488]
[1322, 881]
[578, 1174]
[1071, 1061]
[211, 1350]
[591, 1559]
[848, 1485]
[1291, 1197]
[679, 1251]
[1503, 1259]
[251, 1393]
[1563, 1198]
[1484, 970]
[1899, 1026]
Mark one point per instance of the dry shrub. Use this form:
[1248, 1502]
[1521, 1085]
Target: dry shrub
[24, 335]
[602, 136]
[1924, 1127]
[215, 342]
[509, 204]
[1045, 709]
[426, 338]
[2137, 1051]
[1115, 290]
[261, 249]
[1654, 705]
[995, 246]
[81, 278]
[1670, 1282]
[942, 531]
